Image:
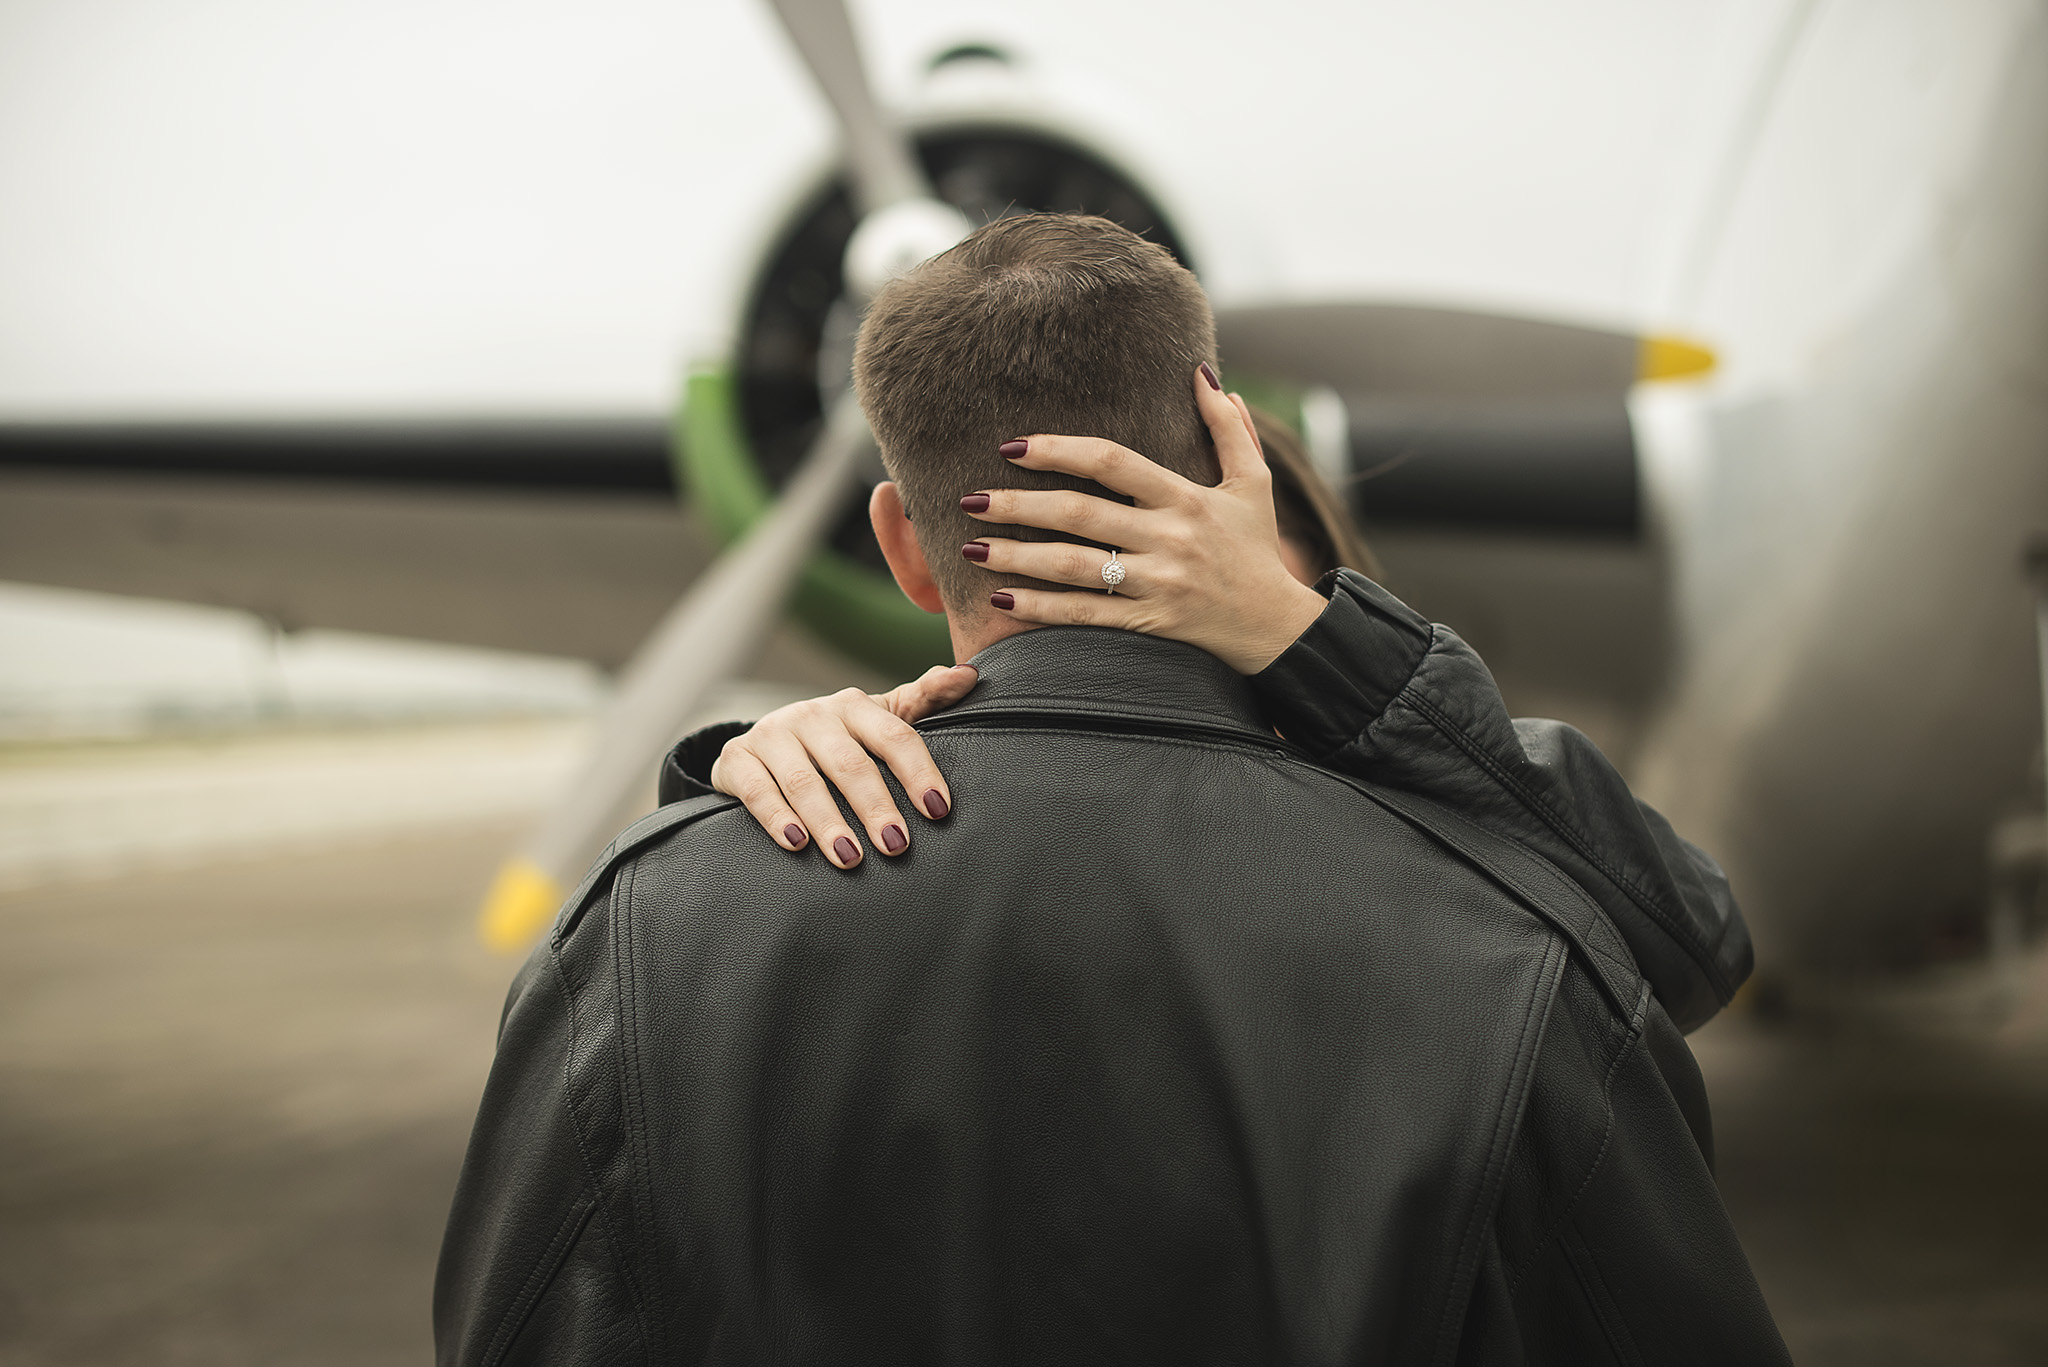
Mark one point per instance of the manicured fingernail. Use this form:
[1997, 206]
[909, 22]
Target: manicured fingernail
[1002, 600]
[974, 503]
[893, 839]
[977, 551]
[795, 835]
[1014, 450]
[846, 852]
[935, 803]
[1209, 374]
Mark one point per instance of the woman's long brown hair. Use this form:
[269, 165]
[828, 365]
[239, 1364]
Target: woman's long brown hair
[1310, 512]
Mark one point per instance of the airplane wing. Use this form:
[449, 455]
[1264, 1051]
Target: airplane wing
[558, 538]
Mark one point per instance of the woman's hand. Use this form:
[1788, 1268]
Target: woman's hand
[1200, 565]
[779, 766]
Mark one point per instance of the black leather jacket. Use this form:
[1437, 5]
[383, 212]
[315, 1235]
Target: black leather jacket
[1376, 691]
[1168, 1046]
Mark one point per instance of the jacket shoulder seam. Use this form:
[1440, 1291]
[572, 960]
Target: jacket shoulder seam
[1397, 806]
[645, 831]
[1571, 1207]
[633, 1102]
[1694, 947]
[1248, 746]
[1542, 806]
[583, 1153]
[1620, 979]
[1535, 1017]
[1586, 1272]
[538, 1281]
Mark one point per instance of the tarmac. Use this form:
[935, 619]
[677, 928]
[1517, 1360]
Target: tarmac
[236, 1077]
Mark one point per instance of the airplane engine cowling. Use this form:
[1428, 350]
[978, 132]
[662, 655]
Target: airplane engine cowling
[743, 431]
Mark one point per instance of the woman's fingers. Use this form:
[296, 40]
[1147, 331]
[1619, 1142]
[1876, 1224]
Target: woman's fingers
[934, 690]
[883, 733]
[1244, 410]
[1059, 608]
[739, 772]
[1108, 464]
[839, 743]
[1063, 510]
[1230, 427]
[796, 772]
[785, 768]
[1125, 471]
[1058, 562]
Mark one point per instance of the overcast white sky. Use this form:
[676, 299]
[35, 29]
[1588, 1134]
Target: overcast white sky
[461, 206]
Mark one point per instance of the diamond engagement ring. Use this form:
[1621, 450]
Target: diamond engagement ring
[1113, 572]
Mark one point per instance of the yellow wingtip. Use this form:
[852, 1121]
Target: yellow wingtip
[1673, 358]
[521, 900]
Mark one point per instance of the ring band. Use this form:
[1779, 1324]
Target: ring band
[1112, 572]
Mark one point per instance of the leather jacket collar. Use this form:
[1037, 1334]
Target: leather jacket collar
[1108, 675]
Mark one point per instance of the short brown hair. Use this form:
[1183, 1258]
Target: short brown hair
[1060, 323]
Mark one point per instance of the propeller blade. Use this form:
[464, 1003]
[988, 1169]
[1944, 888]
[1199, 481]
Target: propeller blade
[1456, 418]
[1409, 350]
[884, 170]
[711, 632]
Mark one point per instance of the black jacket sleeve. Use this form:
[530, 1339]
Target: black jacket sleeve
[529, 1269]
[1374, 690]
[686, 770]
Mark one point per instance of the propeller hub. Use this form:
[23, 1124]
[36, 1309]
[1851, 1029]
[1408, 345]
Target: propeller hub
[895, 238]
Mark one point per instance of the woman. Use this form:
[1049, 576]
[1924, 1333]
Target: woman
[1249, 570]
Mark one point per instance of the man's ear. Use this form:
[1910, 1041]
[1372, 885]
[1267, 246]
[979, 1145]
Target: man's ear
[900, 548]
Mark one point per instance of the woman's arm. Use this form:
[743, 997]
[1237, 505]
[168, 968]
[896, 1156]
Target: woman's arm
[1373, 689]
[1369, 688]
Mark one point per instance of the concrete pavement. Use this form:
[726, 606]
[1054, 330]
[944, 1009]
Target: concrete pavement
[234, 1096]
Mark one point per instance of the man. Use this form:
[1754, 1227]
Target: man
[1167, 1046]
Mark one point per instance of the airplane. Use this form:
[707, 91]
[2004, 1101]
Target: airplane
[1689, 362]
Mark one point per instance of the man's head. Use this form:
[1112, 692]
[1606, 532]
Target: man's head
[1036, 323]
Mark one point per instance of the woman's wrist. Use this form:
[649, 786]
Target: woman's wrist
[1330, 686]
[1292, 610]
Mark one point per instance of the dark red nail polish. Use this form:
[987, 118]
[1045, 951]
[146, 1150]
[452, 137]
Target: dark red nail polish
[795, 835]
[977, 551]
[1209, 374]
[974, 503]
[845, 850]
[935, 803]
[1014, 450]
[1003, 601]
[893, 839]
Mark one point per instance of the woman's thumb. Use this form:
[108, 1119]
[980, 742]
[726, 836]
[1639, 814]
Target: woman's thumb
[934, 690]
